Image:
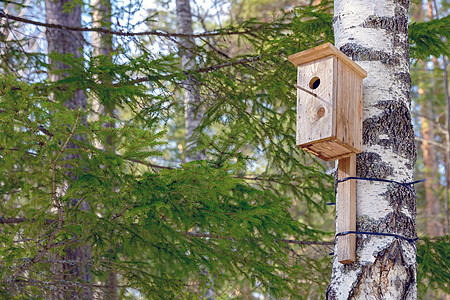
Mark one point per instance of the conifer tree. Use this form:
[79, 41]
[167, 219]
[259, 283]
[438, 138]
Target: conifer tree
[144, 212]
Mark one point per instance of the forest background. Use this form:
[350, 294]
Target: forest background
[150, 151]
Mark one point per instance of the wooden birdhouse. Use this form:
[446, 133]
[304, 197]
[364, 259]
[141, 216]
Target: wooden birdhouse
[329, 102]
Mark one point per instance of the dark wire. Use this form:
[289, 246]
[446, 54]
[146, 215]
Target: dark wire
[379, 233]
[405, 184]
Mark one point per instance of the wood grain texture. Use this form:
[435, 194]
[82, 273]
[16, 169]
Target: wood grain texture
[330, 149]
[310, 126]
[329, 103]
[348, 107]
[322, 51]
[346, 207]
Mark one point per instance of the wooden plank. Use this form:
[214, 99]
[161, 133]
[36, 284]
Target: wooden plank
[346, 210]
[329, 149]
[322, 51]
[348, 126]
[314, 116]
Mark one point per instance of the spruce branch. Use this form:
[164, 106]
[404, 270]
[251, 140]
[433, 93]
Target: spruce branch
[4, 220]
[296, 242]
[159, 33]
[53, 165]
[68, 138]
[16, 220]
[197, 71]
[24, 120]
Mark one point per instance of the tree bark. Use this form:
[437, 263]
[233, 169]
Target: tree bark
[375, 35]
[102, 45]
[430, 5]
[62, 42]
[192, 109]
[427, 130]
[434, 226]
[192, 105]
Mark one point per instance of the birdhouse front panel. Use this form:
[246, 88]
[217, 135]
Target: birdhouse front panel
[315, 110]
[329, 102]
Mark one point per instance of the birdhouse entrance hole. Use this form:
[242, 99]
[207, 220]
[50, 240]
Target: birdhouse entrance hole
[314, 83]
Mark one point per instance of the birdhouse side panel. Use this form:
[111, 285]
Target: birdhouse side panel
[348, 107]
[315, 109]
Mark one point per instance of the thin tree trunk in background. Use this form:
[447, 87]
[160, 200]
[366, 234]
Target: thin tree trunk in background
[447, 127]
[101, 18]
[192, 110]
[375, 35]
[102, 45]
[447, 168]
[63, 41]
[447, 156]
[434, 226]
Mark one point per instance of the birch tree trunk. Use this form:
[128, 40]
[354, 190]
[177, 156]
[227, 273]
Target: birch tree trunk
[375, 35]
[75, 268]
[192, 115]
[102, 45]
[192, 108]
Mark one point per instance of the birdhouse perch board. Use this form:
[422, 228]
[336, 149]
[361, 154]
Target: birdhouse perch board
[329, 102]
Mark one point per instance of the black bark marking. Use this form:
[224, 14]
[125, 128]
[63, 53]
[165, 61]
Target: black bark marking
[370, 165]
[335, 19]
[403, 3]
[386, 260]
[399, 223]
[400, 196]
[410, 283]
[395, 222]
[396, 24]
[330, 293]
[395, 123]
[405, 80]
[354, 288]
[359, 53]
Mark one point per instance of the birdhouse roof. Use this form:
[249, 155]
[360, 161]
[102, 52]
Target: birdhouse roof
[322, 51]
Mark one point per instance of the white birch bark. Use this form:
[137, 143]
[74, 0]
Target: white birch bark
[375, 35]
[192, 109]
[102, 45]
[192, 115]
